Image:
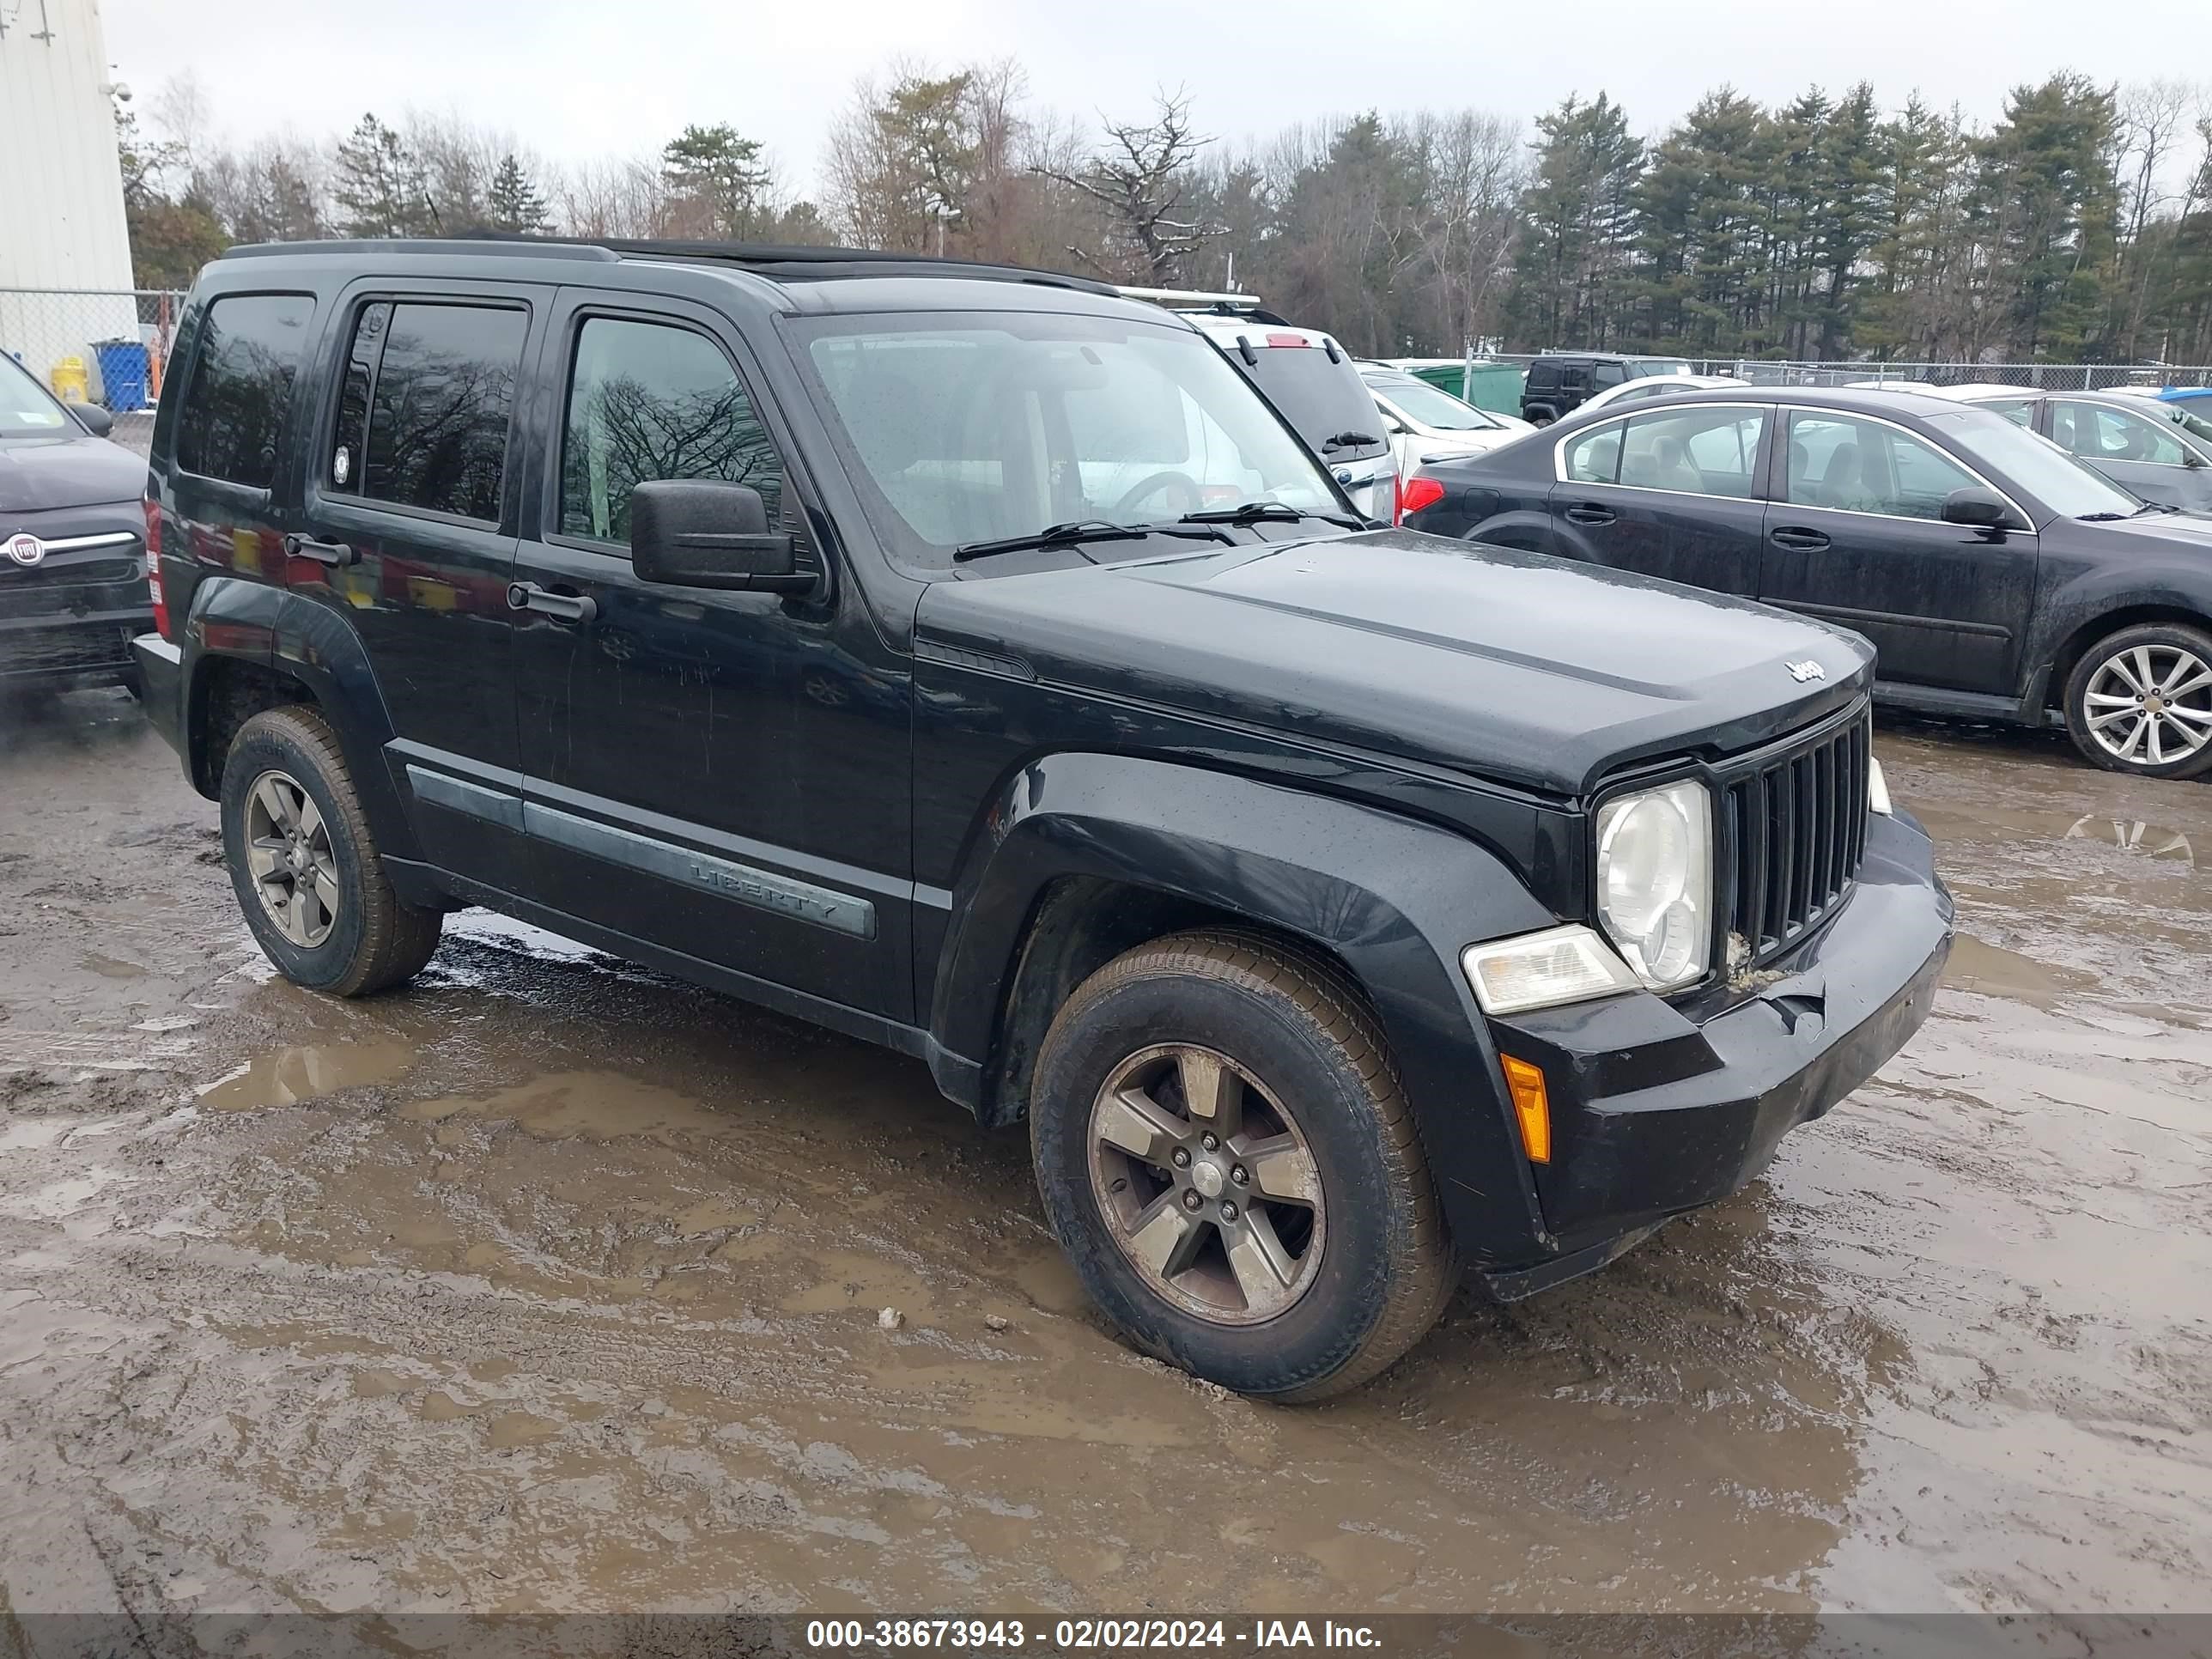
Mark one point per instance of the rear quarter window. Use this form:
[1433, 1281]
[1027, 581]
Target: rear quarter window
[231, 423]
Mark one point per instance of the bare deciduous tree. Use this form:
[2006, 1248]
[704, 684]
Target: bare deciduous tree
[1140, 176]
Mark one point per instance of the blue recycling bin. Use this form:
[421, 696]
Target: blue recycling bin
[122, 374]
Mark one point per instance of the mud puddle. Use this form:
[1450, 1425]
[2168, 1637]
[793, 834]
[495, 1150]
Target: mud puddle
[550, 1284]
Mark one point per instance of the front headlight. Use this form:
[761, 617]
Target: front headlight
[1877, 789]
[1655, 881]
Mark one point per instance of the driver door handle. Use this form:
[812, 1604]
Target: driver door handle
[1798, 539]
[576, 608]
[1586, 513]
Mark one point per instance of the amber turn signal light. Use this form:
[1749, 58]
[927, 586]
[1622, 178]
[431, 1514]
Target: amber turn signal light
[1526, 1082]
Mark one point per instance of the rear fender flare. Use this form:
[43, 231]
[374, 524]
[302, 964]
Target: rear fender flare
[310, 643]
[1395, 899]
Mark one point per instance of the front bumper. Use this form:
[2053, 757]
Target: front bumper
[1660, 1107]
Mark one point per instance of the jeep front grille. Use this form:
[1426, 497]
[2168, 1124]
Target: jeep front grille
[1796, 825]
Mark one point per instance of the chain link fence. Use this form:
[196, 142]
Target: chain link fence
[106, 346]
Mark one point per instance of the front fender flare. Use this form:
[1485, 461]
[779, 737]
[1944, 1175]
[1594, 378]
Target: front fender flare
[1394, 898]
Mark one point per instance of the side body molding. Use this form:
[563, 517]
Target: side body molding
[1396, 898]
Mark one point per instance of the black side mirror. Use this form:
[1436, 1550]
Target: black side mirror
[93, 418]
[2190, 458]
[702, 532]
[1975, 506]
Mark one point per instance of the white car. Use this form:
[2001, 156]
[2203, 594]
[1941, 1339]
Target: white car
[1654, 385]
[1310, 379]
[1425, 422]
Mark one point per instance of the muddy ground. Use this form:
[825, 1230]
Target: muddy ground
[551, 1284]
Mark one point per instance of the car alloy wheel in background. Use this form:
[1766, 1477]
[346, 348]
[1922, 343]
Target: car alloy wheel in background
[2142, 701]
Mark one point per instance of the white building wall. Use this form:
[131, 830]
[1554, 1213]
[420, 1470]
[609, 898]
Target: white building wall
[61, 185]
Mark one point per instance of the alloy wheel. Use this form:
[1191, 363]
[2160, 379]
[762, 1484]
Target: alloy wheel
[1207, 1184]
[2150, 705]
[288, 851]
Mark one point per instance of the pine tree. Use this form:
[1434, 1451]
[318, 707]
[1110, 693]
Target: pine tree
[1852, 207]
[2048, 191]
[513, 202]
[721, 185]
[380, 185]
[1578, 218]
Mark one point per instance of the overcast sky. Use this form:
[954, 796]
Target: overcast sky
[577, 78]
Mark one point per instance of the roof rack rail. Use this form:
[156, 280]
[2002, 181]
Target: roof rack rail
[799, 261]
[596, 253]
[783, 262]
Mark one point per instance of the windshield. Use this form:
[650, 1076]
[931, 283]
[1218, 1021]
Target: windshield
[2067, 487]
[1641, 366]
[1322, 399]
[26, 410]
[968, 427]
[1431, 406]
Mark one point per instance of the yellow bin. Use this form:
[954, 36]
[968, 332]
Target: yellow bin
[69, 381]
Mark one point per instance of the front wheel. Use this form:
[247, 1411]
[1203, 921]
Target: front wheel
[2141, 701]
[1223, 1150]
[305, 864]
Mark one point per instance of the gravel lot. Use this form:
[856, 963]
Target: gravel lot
[550, 1283]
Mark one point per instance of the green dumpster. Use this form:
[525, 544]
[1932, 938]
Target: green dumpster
[1494, 386]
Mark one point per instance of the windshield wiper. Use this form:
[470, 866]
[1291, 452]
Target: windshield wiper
[1074, 531]
[2100, 518]
[1350, 440]
[1268, 512]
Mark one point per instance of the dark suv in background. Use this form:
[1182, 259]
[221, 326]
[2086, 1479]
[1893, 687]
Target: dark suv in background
[969, 659]
[1559, 381]
[72, 528]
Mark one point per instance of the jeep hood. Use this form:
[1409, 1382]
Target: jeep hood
[1494, 663]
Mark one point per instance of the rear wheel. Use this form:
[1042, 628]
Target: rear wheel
[1223, 1150]
[2141, 701]
[305, 864]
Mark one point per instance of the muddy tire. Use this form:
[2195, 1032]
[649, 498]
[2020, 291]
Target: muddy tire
[2140, 700]
[305, 864]
[1224, 1151]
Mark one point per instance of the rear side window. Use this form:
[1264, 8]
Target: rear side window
[425, 406]
[231, 425]
[1695, 451]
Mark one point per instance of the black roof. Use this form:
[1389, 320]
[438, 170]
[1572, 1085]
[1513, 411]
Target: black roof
[781, 264]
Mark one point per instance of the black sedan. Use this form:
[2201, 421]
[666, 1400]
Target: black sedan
[1997, 576]
[73, 586]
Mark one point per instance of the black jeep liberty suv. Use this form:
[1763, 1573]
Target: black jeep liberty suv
[971, 660]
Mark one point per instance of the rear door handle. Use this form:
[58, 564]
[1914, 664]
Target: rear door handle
[322, 552]
[563, 607]
[1798, 540]
[1584, 512]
